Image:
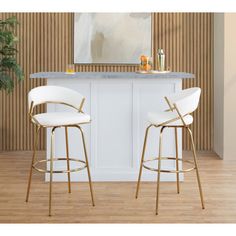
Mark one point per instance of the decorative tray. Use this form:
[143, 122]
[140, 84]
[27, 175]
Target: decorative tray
[153, 72]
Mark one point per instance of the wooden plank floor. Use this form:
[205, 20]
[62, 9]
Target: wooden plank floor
[115, 202]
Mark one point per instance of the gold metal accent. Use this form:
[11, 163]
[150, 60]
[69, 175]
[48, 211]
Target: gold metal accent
[180, 116]
[62, 103]
[177, 158]
[169, 104]
[81, 105]
[31, 167]
[87, 164]
[61, 126]
[51, 171]
[170, 109]
[32, 119]
[196, 167]
[31, 108]
[142, 159]
[168, 171]
[167, 122]
[159, 168]
[60, 171]
[153, 72]
[67, 159]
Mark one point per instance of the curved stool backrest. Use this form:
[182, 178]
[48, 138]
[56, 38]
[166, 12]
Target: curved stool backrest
[186, 101]
[55, 94]
[180, 104]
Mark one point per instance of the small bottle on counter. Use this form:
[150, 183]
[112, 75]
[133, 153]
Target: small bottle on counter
[160, 60]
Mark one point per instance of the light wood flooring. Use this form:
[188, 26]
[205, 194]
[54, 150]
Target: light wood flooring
[115, 202]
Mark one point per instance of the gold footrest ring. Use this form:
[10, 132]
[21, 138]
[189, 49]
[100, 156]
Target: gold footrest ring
[169, 171]
[60, 171]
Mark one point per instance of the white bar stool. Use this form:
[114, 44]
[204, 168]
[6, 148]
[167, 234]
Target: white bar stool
[181, 105]
[54, 120]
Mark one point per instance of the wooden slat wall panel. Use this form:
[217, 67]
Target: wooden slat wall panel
[46, 44]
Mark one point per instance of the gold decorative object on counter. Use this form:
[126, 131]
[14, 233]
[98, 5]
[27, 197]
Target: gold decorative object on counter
[160, 60]
[70, 69]
[153, 72]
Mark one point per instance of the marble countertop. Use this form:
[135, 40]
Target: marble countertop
[111, 75]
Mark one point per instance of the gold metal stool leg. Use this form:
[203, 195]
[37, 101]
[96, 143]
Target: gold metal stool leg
[67, 159]
[31, 168]
[87, 163]
[177, 158]
[196, 167]
[159, 168]
[51, 170]
[142, 159]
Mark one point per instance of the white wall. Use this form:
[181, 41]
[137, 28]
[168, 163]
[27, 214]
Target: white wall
[225, 85]
[218, 83]
[230, 87]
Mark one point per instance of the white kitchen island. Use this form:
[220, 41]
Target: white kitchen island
[118, 104]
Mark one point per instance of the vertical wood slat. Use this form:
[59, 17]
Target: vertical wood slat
[46, 44]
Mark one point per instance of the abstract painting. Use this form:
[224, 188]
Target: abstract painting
[115, 38]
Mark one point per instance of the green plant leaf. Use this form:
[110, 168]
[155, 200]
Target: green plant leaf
[12, 21]
[8, 63]
[7, 38]
[8, 51]
[6, 82]
[19, 73]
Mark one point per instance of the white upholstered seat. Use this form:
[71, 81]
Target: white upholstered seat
[61, 118]
[158, 118]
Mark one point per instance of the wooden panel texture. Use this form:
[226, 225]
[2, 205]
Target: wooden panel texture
[46, 44]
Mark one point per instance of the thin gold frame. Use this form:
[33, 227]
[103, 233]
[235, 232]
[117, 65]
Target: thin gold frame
[176, 158]
[52, 159]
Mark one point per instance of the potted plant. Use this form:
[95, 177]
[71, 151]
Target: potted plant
[9, 69]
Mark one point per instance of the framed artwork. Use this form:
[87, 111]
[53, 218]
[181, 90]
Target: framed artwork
[117, 38]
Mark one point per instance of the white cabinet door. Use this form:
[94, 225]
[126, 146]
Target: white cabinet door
[112, 129]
